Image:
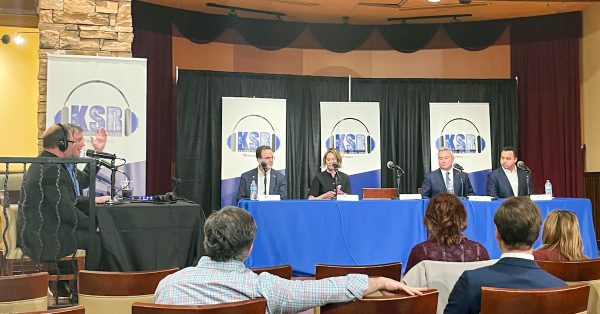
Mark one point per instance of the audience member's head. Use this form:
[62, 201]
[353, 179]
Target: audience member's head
[445, 219]
[228, 234]
[518, 223]
[561, 232]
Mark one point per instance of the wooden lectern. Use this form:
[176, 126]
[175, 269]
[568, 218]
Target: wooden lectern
[379, 193]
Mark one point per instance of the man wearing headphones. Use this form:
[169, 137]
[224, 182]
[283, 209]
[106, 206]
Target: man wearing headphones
[53, 218]
[276, 183]
[446, 179]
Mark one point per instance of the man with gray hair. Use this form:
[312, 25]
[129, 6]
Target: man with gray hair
[446, 179]
[221, 277]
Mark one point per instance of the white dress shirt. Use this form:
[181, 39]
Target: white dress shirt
[513, 179]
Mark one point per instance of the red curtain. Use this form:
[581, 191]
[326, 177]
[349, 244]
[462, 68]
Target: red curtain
[152, 40]
[545, 57]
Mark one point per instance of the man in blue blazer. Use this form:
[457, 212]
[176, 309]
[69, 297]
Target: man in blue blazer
[518, 222]
[276, 182]
[507, 179]
[435, 181]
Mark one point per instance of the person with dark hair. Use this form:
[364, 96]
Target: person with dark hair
[276, 182]
[221, 277]
[518, 223]
[323, 185]
[446, 220]
[508, 180]
[561, 238]
[446, 179]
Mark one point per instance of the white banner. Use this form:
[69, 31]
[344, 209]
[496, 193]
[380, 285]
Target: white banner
[465, 129]
[353, 129]
[103, 92]
[248, 123]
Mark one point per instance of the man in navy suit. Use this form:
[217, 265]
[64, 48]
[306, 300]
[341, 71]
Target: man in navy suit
[504, 181]
[276, 183]
[518, 222]
[446, 179]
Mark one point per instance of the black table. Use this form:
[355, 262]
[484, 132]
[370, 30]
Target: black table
[139, 236]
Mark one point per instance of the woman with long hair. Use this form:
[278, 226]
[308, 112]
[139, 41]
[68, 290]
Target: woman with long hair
[446, 220]
[561, 238]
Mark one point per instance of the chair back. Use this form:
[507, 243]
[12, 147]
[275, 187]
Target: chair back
[398, 304]
[254, 306]
[283, 271]
[391, 270]
[379, 193]
[79, 309]
[115, 292]
[24, 293]
[564, 300]
[573, 271]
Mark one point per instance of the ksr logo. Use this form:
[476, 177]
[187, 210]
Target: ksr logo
[461, 142]
[114, 119]
[250, 139]
[350, 142]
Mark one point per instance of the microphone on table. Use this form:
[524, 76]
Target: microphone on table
[335, 165]
[521, 165]
[97, 154]
[263, 165]
[391, 165]
[458, 167]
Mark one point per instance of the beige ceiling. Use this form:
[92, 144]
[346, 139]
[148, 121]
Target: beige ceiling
[372, 12]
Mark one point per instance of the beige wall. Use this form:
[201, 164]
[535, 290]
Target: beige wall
[590, 89]
[19, 94]
[427, 63]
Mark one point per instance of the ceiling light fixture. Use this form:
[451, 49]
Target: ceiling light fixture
[5, 39]
[433, 1]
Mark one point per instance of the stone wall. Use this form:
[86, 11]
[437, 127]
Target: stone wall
[81, 27]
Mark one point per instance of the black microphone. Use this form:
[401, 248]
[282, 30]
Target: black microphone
[521, 165]
[391, 165]
[458, 167]
[335, 165]
[104, 163]
[96, 154]
[263, 165]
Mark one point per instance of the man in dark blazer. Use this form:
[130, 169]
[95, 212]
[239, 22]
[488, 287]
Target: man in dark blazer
[503, 181]
[435, 181]
[276, 182]
[518, 222]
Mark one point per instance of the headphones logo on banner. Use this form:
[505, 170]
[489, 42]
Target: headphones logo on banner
[345, 138]
[459, 140]
[251, 136]
[117, 121]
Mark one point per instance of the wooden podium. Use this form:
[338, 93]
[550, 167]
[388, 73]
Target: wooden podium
[379, 193]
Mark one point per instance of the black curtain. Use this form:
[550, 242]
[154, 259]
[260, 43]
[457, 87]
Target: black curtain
[404, 107]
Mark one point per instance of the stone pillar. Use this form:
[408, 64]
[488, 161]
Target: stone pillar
[81, 27]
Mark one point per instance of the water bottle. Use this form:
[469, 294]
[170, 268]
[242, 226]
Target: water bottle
[548, 187]
[253, 190]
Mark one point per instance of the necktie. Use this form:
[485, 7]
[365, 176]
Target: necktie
[449, 186]
[72, 174]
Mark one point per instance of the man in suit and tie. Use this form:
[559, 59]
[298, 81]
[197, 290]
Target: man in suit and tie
[446, 179]
[508, 179]
[518, 221]
[275, 182]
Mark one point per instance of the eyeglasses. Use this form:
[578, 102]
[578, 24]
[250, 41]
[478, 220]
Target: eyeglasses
[268, 158]
[72, 142]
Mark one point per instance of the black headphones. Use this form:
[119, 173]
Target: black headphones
[332, 137]
[128, 116]
[170, 197]
[62, 143]
[234, 135]
[479, 140]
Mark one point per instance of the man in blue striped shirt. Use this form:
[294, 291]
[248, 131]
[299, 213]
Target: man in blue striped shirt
[221, 276]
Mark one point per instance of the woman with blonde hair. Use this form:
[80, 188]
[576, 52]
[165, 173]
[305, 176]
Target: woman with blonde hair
[561, 238]
[446, 220]
[331, 182]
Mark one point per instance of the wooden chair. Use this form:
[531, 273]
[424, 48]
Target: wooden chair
[79, 309]
[573, 271]
[24, 293]
[564, 300]
[391, 270]
[398, 304]
[379, 193]
[254, 306]
[283, 271]
[115, 292]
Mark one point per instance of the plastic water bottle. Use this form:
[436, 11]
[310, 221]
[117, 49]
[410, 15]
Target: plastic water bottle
[548, 187]
[253, 190]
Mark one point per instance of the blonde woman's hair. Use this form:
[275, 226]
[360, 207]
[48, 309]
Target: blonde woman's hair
[561, 232]
[335, 153]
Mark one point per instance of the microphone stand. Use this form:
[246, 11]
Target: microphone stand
[265, 179]
[337, 180]
[113, 172]
[527, 173]
[399, 173]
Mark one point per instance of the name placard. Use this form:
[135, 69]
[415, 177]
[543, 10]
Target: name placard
[268, 197]
[540, 197]
[410, 197]
[347, 197]
[480, 198]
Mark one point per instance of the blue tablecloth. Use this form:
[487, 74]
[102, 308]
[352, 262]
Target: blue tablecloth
[304, 233]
